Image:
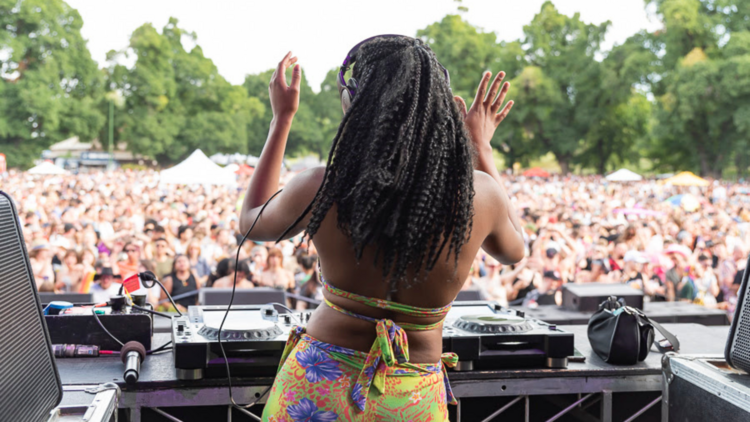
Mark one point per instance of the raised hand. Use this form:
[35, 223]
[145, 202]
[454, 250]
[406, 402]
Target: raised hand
[285, 98]
[487, 111]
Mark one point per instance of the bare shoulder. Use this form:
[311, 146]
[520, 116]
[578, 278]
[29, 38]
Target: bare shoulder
[487, 192]
[307, 182]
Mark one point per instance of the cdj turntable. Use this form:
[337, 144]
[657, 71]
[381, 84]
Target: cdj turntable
[253, 337]
[483, 334]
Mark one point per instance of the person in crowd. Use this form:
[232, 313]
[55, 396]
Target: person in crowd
[239, 275]
[71, 273]
[184, 237]
[309, 285]
[88, 260]
[130, 264]
[181, 280]
[632, 270]
[259, 258]
[679, 284]
[163, 261]
[197, 263]
[274, 275]
[547, 292]
[498, 284]
[40, 258]
[706, 283]
[105, 285]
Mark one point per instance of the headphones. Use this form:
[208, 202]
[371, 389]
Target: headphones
[348, 89]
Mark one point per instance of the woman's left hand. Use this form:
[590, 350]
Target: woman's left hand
[285, 98]
[486, 111]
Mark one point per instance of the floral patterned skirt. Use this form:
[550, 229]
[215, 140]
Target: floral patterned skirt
[317, 383]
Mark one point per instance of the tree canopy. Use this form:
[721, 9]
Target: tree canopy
[49, 85]
[674, 99]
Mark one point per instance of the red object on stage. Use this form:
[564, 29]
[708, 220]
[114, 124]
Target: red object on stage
[132, 283]
[536, 172]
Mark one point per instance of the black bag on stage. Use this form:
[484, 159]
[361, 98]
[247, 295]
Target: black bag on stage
[623, 335]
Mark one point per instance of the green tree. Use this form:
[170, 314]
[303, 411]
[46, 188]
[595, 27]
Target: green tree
[703, 96]
[176, 100]
[556, 88]
[614, 116]
[467, 52]
[49, 85]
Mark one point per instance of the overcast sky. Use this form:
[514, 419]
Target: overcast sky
[250, 36]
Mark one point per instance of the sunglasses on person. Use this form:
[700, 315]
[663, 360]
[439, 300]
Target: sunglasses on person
[131, 250]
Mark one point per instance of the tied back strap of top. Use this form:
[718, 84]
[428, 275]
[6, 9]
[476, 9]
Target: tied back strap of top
[390, 347]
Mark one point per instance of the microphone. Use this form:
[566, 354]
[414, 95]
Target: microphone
[132, 354]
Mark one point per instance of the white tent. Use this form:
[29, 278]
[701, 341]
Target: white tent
[220, 158]
[231, 168]
[197, 170]
[46, 168]
[624, 175]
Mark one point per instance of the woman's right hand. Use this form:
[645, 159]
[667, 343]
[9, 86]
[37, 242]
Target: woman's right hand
[485, 114]
[285, 98]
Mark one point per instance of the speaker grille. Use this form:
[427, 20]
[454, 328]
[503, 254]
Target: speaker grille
[741, 340]
[28, 374]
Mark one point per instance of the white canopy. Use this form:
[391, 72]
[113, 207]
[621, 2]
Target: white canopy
[197, 170]
[220, 158]
[624, 175]
[46, 168]
[231, 168]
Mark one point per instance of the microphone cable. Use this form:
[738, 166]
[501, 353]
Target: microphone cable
[237, 406]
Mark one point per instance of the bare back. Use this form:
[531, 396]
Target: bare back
[440, 288]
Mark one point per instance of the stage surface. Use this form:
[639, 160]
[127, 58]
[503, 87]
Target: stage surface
[158, 385]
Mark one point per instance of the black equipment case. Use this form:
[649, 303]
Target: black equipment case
[703, 389]
[587, 297]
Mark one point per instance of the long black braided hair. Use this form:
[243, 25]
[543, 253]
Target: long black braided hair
[400, 167]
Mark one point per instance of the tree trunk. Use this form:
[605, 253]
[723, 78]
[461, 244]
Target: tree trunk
[739, 162]
[600, 166]
[564, 165]
[705, 169]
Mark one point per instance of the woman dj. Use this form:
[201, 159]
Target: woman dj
[397, 215]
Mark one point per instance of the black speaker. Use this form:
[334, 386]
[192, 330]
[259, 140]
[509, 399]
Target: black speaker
[587, 297]
[737, 350]
[29, 380]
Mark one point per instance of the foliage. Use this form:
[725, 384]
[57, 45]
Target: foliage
[176, 101]
[49, 85]
[703, 105]
[678, 98]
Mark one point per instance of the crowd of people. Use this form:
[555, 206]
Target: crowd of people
[88, 232]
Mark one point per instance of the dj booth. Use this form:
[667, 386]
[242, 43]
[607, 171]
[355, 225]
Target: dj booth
[590, 390]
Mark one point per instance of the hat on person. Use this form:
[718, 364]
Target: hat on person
[682, 235]
[553, 275]
[104, 272]
[68, 227]
[551, 252]
[635, 256]
[39, 245]
[680, 249]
